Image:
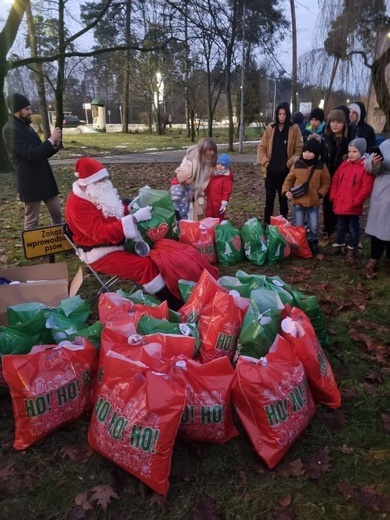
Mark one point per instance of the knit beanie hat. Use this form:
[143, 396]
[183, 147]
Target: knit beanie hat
[337, 115]
[313, 146]
[360, 144]
[224, 159]
[355, 108]
[317, 113]
[89, 171]
[16, 102]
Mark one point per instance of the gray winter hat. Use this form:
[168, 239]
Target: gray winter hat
[360, 144]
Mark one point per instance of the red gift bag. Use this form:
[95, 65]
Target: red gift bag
[135, 420]
[273, 400]
[207, 415]
[200, 235]
[298, 331]
[50, 387]
[295, 236]
[112, 306]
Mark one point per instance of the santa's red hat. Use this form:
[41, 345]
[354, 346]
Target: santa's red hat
[89, 171]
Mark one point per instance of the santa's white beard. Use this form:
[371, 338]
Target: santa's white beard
[106, 198]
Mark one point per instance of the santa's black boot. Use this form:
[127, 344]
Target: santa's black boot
[165, 295]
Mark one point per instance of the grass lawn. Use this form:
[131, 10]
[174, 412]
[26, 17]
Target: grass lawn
[76, 145]
[339, 469]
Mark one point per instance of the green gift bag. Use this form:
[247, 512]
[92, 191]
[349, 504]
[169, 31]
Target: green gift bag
[20, 338]
[233, 283]
[61, 327]
[23, 312]
[258, 331]
[156, 198]
[158, 227]
[276, 284]
[254, 281]
[277, 246]
[186, 287]
[255, 242]
[75, 308]
[140, 297]
[149, 325]
[230, 250]
[92, 333]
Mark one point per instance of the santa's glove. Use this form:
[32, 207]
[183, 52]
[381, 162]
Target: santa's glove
[143, 214]
[224, 205]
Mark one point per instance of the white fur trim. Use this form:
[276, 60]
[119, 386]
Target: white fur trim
[101, 174]
[155, 285]
[129, 227]
[79, 192]
[355, 107]
[97, 253]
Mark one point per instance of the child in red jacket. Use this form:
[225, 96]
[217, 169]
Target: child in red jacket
[351, 186]
[220, 188]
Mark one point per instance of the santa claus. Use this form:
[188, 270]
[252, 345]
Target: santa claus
[101, 223]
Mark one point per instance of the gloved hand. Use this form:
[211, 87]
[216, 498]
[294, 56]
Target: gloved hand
[223, 207]
[143, 214]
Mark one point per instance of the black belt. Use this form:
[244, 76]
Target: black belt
[87, 249]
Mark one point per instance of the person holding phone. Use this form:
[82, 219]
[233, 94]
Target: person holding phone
[29, 158]
[378, 221]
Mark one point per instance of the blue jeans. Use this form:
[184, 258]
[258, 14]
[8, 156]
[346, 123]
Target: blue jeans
[348, 224]
[309, 215]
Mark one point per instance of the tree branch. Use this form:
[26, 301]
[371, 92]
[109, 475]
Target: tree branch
[91, 25]
[360, 53]
[77, 54]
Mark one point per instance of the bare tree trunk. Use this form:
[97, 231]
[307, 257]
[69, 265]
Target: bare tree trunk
[294, 77]
[186, 71]
[60, 84]
[331, 81]
[38, 71]
[379, 81]
[229, 103]
[126, 73]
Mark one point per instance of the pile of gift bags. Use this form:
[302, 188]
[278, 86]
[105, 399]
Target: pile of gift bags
[247, 342]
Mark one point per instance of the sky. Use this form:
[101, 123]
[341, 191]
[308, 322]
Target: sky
[306, 13]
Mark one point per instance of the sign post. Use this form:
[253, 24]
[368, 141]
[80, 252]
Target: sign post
[86, 107]
[44, 241]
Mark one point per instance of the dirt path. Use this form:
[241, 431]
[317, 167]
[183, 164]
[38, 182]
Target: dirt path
[166, 156]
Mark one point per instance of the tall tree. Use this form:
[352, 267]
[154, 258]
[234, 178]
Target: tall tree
[37, 70]
[294, 75]
[7, 38]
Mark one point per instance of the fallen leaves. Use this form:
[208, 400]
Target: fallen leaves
[82, 501]
[362, 338]
[103, 495]
[318, 464]
[293, 468]
[206, 509]
[377, 352]
[366, 497]
[79, 454]
[334, 420]
[386, 422]
[7, 472]
[346, 450]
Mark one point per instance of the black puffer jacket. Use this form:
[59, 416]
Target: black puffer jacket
[29, 158]
[363, 129]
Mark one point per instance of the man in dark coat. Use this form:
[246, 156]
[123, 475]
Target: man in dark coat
[29, 157]
[357, 116]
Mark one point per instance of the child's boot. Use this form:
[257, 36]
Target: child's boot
[350, 257]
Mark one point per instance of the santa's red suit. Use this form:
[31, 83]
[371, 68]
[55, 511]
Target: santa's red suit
[101, 238]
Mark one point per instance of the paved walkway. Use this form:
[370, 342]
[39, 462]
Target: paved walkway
[165, 156]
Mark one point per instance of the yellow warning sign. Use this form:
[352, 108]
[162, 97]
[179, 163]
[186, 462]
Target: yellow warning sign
[44, 241]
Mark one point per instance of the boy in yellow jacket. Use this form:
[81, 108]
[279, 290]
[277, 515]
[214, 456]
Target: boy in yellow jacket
[306, 205]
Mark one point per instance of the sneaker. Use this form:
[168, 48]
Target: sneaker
[324, 240]
[339, 245]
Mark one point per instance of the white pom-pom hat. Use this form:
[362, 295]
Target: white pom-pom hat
[89, 171]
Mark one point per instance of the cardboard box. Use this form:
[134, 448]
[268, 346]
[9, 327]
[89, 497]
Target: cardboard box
[49, 285]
